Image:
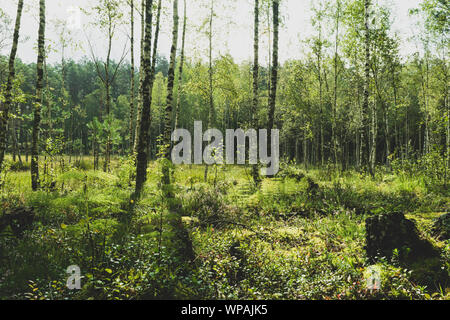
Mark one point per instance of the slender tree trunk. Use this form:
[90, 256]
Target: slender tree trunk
[63, 98]
[211, 117]
[142, 156]
[27, 146]
[274, 76]
[72, 131]
[426, 87]
[269, 73]
[47, 102]
[180, 71]
[447, 109]
[255, 66]
[319, 75]
[394, 86]
[254, 120]
[22, 135]
[387, 135]
[374, 134]
[447, 164]
[336, 57]
[155, 40]
[108, 129]
[358, 107]
[141, 79]
[357, 149]
[16, 149]
[154, 56]
[210, 70]
[35, 183]
[305, 151]
[149, 75]
[107, 83]
[4, 111]
[365, 109]
[170, 82]
[374, 130]
[14, 146]
[131, 129]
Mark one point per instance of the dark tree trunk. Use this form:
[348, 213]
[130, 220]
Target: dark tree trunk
[35, 183]
[141, 80]
[365, 108]
[180, 71]
[274, 76]
[149, 75]
[254, 120]
[4, 111]
[131, 129]
[142, 148]
[211, 115]
[336, 59]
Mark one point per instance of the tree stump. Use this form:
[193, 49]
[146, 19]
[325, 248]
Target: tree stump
[386, 232]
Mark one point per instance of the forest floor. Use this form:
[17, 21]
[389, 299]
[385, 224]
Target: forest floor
[300, 235]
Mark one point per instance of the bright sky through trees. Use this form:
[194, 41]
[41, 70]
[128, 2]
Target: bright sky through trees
[235, 20]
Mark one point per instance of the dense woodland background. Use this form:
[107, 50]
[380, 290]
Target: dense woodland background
[354, 107]
[320, 99]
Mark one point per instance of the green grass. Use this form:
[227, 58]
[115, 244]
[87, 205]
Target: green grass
[282, 240]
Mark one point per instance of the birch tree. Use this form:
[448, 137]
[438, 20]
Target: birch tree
[170, 81]
[5, 107]
[109, 17]
[254, 120]
[274, 71]
[35, 183]
[180, 70]
[147, 88]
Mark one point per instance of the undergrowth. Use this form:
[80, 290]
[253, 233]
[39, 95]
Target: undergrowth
[300, 235]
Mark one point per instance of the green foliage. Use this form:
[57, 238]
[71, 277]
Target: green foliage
[299, 235]
[430, 169]
[209, 206]
[283, 241]
[18, 166]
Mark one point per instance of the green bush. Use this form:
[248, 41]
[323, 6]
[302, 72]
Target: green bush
[208, 205]
[18, 166]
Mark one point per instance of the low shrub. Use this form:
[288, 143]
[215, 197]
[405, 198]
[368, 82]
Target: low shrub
[208, 205]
